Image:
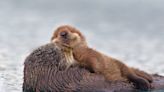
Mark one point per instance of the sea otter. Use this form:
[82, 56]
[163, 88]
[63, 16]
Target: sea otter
[76, 51]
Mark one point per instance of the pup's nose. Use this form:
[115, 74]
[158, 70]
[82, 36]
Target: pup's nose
[63, 34]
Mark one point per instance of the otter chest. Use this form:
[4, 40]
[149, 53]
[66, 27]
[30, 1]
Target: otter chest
[69, 58]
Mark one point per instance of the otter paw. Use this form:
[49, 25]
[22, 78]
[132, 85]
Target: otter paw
[150, 79]
[142, 84]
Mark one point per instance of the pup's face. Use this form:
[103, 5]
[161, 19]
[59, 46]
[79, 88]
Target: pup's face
[67, 36]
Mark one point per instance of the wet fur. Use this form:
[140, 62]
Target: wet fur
[112, 69]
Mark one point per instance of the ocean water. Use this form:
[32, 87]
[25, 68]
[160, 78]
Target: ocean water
[132, 31]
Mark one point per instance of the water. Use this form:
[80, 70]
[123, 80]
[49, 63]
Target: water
[132, 31]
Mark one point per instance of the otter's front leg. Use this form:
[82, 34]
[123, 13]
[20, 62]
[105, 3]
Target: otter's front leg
[143, 74]
[139, 82]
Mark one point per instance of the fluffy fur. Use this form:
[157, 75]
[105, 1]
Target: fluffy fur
[74, 46]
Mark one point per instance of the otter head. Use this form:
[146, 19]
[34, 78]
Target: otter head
[68, 36]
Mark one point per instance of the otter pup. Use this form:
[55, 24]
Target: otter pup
[74, 45]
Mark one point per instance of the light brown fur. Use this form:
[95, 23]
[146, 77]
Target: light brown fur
[75, 44]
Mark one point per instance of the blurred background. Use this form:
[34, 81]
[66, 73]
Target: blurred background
[130, 30]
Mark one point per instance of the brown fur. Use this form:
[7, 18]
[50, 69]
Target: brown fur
[112, 69]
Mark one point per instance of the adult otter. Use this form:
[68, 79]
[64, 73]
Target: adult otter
[75, 47]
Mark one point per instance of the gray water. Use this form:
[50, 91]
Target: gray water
[130, 30]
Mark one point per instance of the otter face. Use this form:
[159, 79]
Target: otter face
[67, 36]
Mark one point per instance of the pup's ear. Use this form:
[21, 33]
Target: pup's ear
[80, 34]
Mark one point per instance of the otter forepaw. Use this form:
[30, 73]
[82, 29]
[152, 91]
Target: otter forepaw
[150, 78]
[142, 84]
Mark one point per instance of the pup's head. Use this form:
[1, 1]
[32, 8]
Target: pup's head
[68, 36]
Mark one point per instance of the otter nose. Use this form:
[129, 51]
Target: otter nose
[63, 34]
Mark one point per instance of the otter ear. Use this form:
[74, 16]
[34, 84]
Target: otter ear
[81, 35]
